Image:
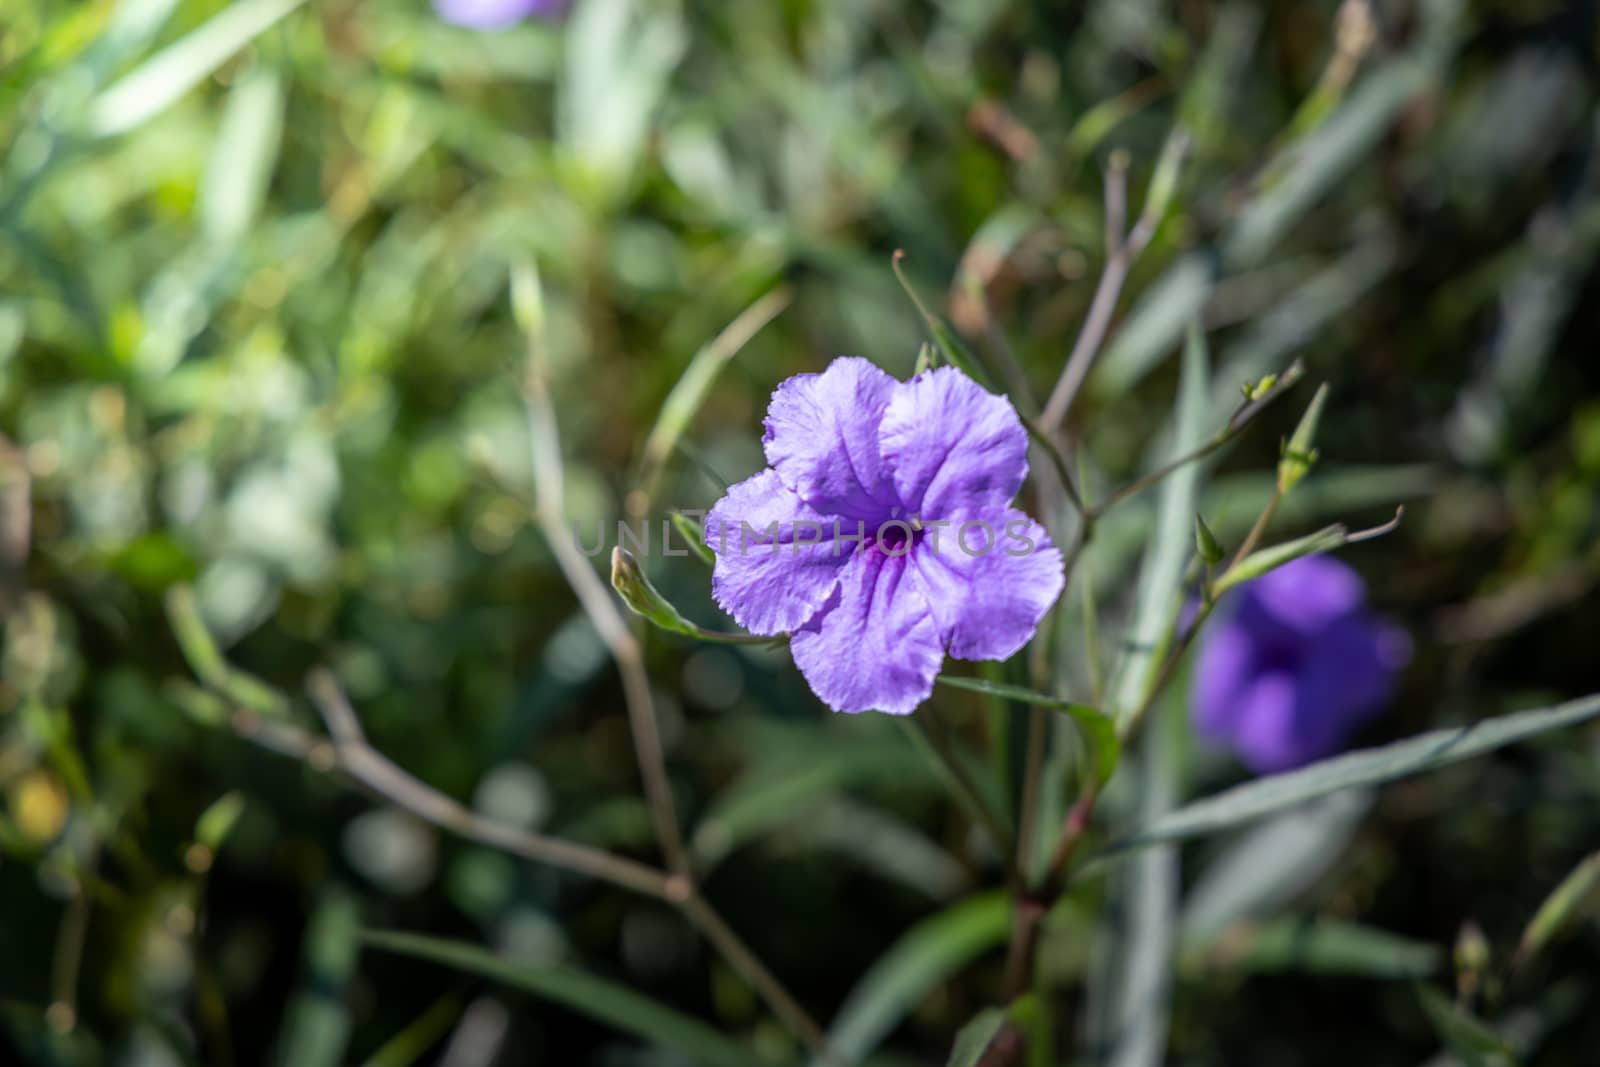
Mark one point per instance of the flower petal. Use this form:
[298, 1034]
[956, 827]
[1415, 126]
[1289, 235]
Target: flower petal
[1224, 668]
[492, 14]
[952, 445]
[1307, 594]
[777, 560]
[988, 581]
[1267, 729]
[822, 437]
[875, 645]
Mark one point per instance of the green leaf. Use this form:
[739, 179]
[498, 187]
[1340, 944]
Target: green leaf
[1425, 752]
[620, 55]
[1567, 903]
[774, 793]
[689, 393]
[1098, 731]
[596, 998]
[161, 80]
[317, 1027]
[1095, 124]
[1161, 572]
[1151, 329]
[1273, 863]
[1466, 1036]
[205, 659]
[629, 580]
[242, 160]
[923, 957]
[1315, 947]
[1310, 167]
[1205, 542]
[975, 1037]
[1272, 557]
[879, 842]
[1164, 181]
[1140, 989]
[218, 820]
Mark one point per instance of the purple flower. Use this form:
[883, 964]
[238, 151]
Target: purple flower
[882, 535]
[495, 14]
[1296, 666]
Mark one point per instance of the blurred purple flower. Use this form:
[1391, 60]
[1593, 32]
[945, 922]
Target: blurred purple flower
[1296, 666]
[895, 541]
[495, 14]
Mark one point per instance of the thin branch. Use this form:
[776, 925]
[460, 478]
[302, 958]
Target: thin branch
[357, 760]
[1121, 252]
[1058, 462]
[1258, 529]
[679, 886]
[1168, 671]
[1235, 426]
[545, 446]
[1381, 530]
[1032, 907]
[328, 696]
[1116, 198]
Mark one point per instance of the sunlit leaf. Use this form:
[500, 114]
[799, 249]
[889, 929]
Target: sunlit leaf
[179, 67]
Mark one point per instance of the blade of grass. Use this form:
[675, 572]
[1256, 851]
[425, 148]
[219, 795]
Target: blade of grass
[1374, 766]
[923, 957]
[166, 76]
[584, 993]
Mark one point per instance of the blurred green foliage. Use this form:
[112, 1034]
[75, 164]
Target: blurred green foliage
[255, 335]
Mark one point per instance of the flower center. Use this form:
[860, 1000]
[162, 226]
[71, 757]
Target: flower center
[896, 537]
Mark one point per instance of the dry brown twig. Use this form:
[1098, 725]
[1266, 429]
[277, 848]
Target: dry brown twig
[1122, 249]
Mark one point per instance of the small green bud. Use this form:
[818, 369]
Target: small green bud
[1206, 543]
[924, 359]
[1259, 389]
[1472, 950]
[1299, 454]
[628, 579]
[218, 821]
